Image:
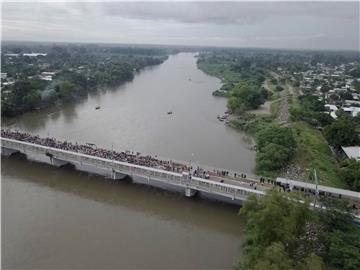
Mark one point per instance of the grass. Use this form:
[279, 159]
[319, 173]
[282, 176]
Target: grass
[313, 152]
[274, 107]
[250, 123]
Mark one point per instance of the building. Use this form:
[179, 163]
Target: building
[34, 54]
[353, 111]
[352, 152]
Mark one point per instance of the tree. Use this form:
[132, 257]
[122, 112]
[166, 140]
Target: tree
[276, 135]
[282, 233]
[274, 258]
[313, 262]
[275, 147]
[350, 173]
[273, 223]
[65, 89]
[233, 104]
[311, 103]
[272, 157]
[247, 96]
[32, 99]
[342, 132]
[325, 88]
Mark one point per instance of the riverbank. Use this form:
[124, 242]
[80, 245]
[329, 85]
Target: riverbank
[312, 151]
[65, 74]
[134, 117]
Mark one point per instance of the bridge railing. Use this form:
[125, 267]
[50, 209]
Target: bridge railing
[175, 178]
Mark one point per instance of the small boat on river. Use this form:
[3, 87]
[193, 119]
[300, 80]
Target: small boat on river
[222, 118]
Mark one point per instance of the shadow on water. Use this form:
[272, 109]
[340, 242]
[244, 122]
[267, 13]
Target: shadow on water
[156, 202]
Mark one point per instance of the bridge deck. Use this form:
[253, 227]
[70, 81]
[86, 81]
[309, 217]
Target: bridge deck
[235, 191]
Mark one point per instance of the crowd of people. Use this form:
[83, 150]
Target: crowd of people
[142, 160]
[130, 157]
[127, 156]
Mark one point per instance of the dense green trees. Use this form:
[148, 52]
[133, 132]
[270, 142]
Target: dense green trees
[284, 234]
[24, 95]
[342, 132]
[340, 237]
[276, 233]
[272, 157]
[79, 69]
[311, 110]
[275, 147]
[245, 96]
[350, 173]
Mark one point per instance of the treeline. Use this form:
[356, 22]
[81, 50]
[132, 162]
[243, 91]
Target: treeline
[222, 61]
[78, 70]
[283, 234]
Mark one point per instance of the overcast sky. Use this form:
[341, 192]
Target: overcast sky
[321, 25]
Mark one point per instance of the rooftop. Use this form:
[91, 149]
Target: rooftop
[352, 152]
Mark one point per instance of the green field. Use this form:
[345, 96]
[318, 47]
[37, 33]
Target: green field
[313, 152]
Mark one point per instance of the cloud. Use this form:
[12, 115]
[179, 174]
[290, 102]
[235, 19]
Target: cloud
[329, 25]
[228, 12]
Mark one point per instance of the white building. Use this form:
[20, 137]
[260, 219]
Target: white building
[352, 152]
[34, 54]
[353, 111]
[45, 78]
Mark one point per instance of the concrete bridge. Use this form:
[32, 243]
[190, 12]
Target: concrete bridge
[116, 170]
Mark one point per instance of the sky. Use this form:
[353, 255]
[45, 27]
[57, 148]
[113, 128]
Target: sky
[292, 25]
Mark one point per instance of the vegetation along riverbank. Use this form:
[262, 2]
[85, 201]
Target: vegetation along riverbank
[65, 72]
[295, 132]
[284, 234]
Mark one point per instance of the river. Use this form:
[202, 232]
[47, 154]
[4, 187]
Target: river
[134, 117]
[60, 218]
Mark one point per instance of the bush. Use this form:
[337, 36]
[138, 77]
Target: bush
[272, 157]
[342, 132]
[276, 146]
[350, 173]
[245, 96]
[276, 135]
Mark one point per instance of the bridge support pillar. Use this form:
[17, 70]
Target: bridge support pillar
[117, 176]
[190, 192]
[58, 162]
[7, 151]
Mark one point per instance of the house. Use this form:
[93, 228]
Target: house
[48, 73]
[353, 111]
[352, 152]
[331, 107]
[12, 54]
[45, 78]
[352, 102]
[34, 54]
